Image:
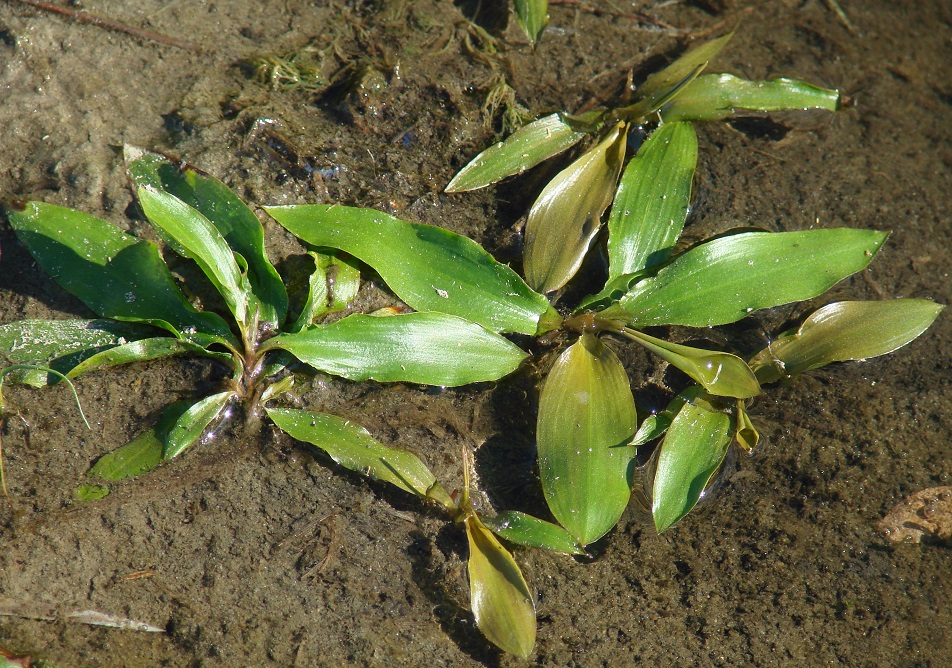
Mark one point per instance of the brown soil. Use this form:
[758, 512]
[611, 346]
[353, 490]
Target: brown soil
[254, 550]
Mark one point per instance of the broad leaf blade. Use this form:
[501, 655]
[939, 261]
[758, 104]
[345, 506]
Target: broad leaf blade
[845, 331]
[352, 446]
[529, 531]
[523, 149]
[202, 243]
[656, 424]
[691, 453]
[429, 268]
[586, 421]
[116, 275]
[143, 350]
[234, 220]
[567, 215]
[501, 600]
[712, 97]
[651, 205]
[723, 280]
[426, 348]
[721, 374]
[533, 16]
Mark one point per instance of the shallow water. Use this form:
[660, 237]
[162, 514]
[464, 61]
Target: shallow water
[252, 550]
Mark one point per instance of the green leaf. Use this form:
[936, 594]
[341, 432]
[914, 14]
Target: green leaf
[586, 421]
[523, 149]
[745, 433]
[522, 529]
[224, 209]
[723, 280]
[87, 492]
[426, 348]
[656, 424]
[193, 423]
[712, 97]
[202, 243]
[116, 275]
[658, 86]
[652, 201]
[501, 600]
[143, 350]
[533, 16]
[690, 455]
[429, 268]
[60, 344]
[567, 214]
[845, 331]
[352, 446]
[721, 374]
[165, 439]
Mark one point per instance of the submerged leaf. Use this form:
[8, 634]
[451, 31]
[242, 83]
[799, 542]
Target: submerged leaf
[586, 422]
[656, 424]
[567, 214]
[533, 16]
[845, 331]
[501, 600]
[721, 374]
[523, 149]
[723, 280]
[352, 446]
[203, 243]
[712, 97]
[429, 268]
[427, 348]
[143, 351]
[652, 201]
[690, 455]
[60, 344]
[522, 529]
[179, 426]
[116, 275]
[224, 209]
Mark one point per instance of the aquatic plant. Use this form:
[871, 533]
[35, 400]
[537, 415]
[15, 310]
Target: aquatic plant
[144, 315]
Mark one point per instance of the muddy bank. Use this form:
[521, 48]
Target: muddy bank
[254, 550]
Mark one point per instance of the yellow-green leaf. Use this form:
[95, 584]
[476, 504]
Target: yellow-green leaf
[586, 422]
[845, 331]
[501, 600]
[721, 374]
[567, 214]
[691, 453]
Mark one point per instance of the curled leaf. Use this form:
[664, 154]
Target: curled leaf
[501, 600]
[533, 17]
[721, 374]
[202, 242]
[567, 215]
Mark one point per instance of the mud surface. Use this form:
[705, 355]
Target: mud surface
[253, 550]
